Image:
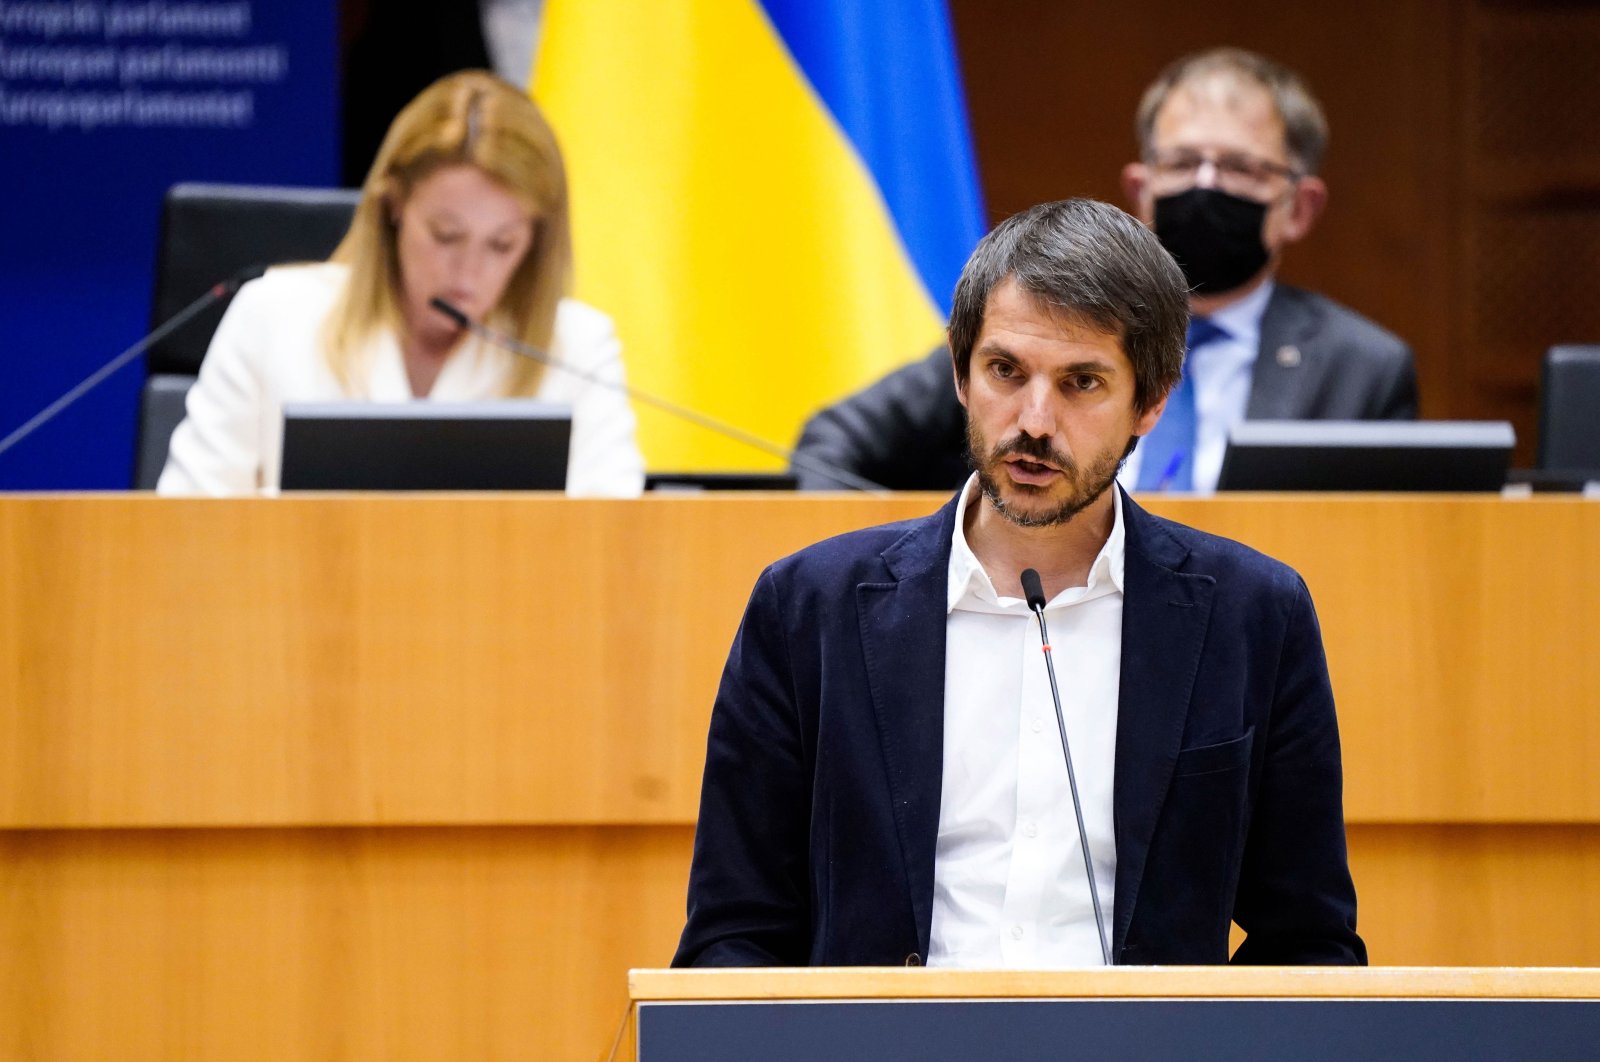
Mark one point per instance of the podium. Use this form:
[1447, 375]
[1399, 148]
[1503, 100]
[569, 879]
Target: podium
[1307, 1014]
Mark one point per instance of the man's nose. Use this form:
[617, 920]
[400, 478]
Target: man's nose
[1205, 174]
[1038, 414]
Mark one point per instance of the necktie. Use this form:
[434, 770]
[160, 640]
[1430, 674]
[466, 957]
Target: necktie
[1167, 460]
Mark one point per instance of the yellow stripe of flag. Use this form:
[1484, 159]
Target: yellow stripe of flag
[723, 221]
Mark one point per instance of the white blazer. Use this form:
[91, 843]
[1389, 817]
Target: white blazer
[268, 350]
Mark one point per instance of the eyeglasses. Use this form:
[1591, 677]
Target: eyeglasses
[1235, 173]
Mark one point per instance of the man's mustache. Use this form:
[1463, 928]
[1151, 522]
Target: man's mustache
[1034, 448]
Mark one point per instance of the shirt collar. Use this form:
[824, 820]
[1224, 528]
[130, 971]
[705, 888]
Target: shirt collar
[969, 586]
[1242, 319]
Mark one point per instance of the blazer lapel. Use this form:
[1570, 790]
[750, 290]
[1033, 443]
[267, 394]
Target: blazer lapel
[902, 637]
[1165, 613]
[1288, 359]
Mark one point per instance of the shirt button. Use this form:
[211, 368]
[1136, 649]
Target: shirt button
[1030, 830]
[1038, 724]
[1016, 932]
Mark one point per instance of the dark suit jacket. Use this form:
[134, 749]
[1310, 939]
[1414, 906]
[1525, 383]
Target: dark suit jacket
[820, 805]
[1318, 361]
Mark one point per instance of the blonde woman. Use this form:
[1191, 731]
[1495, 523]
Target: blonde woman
[467, 201]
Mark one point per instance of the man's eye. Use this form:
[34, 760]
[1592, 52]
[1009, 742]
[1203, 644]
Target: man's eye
[446, 237]
[1083, 382]
[1239, 166]
[1179, 162]
[1003, 370]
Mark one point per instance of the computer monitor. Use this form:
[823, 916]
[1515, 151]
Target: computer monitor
[514, 444]
[1367, 455]
[700, 482]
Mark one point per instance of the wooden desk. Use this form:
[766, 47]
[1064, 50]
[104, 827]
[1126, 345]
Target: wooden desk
[416, 776]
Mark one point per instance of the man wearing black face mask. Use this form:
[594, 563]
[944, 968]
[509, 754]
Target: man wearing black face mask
[1230, 146]
[1231, 143]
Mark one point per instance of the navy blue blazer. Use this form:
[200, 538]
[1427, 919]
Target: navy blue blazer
[820, 804]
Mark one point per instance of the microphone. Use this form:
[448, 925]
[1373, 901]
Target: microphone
[220, 290]
[719, 427]
[1033, 592]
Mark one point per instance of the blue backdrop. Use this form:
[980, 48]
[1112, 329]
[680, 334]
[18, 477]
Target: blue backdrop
[103, 105]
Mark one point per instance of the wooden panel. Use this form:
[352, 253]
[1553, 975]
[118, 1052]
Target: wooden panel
[273, 944]
[1533, 98]
[1478, 895]
[1531, 206]
[1466, 690]
[509, 942]
[372, 661]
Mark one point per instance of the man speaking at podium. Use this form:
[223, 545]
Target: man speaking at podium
[886, 778]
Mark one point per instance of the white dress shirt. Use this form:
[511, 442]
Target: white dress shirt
[1008, 878]
[1221, 372]
[268, 351]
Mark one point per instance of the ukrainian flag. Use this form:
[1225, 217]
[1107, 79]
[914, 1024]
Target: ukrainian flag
[772, 198]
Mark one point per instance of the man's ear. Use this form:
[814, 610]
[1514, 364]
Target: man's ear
[1309, 201]
[1147, 419]
[961, 385]
[1135, 185]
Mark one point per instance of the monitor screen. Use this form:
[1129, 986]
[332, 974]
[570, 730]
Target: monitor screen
[699, 482]
[1367, 455]
[500, 445]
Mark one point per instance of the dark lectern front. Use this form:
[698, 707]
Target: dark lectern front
[1127, 1013]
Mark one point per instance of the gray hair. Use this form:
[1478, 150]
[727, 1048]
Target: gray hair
[1304, 127]
[1091, 261]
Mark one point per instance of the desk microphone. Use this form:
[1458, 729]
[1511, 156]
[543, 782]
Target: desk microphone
[1033, 591]
[516, 346]
[220, 290]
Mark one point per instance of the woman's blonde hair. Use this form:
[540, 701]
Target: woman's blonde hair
[475, 118]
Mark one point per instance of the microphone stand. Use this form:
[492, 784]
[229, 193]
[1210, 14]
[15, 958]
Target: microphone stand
[221, 290]
[1034, 591]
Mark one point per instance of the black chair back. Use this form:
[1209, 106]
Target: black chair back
[1569, 410]
[209, 232]
[160, 411]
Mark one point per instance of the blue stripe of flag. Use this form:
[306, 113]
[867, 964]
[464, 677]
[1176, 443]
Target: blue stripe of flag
[887, 71]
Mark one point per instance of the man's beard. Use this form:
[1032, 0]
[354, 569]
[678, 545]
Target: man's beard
[1085, 486]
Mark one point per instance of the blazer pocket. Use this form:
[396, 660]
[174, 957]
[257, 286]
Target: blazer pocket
[1210, 759]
